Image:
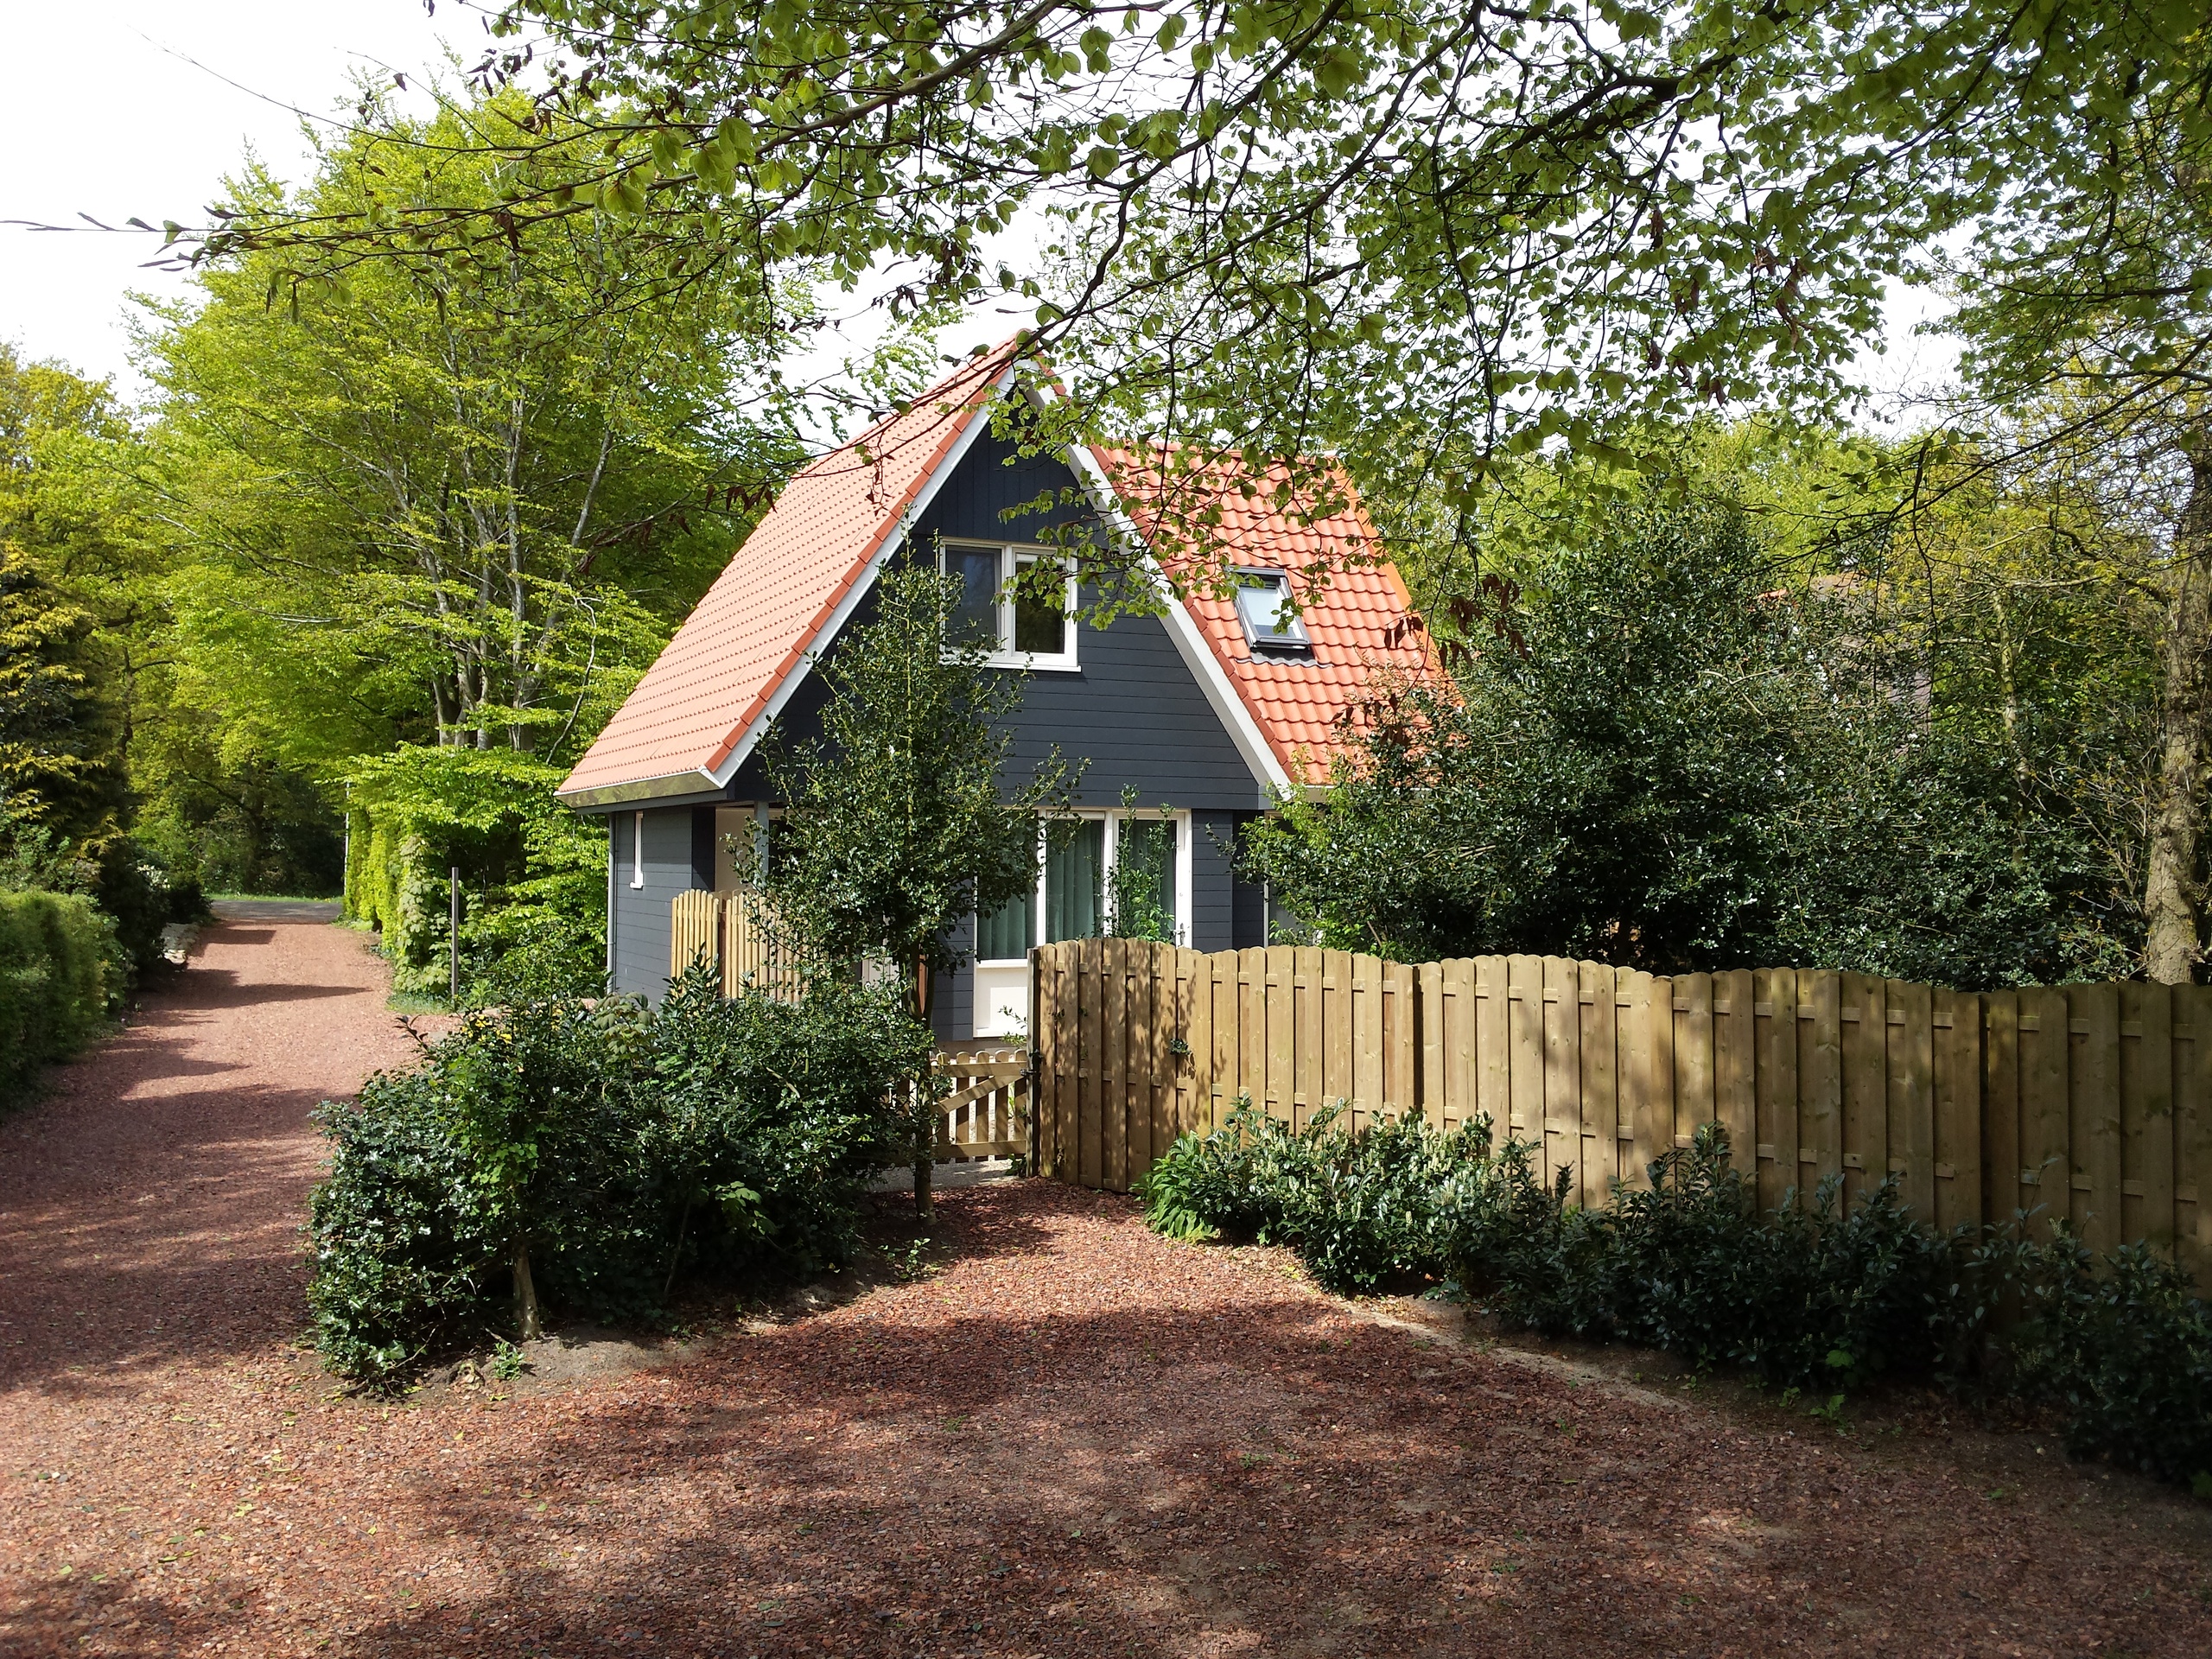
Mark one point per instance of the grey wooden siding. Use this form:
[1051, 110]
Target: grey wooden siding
[641, 921]
[1132, 709]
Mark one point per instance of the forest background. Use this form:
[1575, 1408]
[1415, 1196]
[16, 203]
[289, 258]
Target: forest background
[452, 436]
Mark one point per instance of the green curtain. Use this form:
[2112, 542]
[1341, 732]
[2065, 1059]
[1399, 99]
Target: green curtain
[1074, 907]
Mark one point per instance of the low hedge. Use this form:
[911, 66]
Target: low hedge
[54, 952]
[1815, 1297]
[597, 1155]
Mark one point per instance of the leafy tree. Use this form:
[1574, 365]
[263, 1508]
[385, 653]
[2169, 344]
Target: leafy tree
[1434, 237]
[1669, 754]
[895, 827]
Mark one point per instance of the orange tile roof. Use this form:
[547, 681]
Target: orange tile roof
[1358, 614]
[767, 609]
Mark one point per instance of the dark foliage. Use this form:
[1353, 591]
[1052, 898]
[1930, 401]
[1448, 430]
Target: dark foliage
[1809, 1296]
[2126, 1353]
[1671, 756]
[620, 1147]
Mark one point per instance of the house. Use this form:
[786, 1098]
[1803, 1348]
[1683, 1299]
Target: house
[1201, 714]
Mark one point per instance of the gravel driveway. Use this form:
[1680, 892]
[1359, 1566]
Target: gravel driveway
[1072, 1438]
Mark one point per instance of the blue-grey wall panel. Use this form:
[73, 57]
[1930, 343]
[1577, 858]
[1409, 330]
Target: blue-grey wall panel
[1132, 709]
[642, 913]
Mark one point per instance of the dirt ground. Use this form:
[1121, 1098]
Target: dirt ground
[1064, 1435]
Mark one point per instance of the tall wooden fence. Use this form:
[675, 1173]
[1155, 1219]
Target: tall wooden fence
[730, 930]
[2091, 1101]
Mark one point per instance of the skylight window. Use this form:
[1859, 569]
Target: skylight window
[1263, 605]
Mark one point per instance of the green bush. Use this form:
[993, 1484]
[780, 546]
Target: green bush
[607, 1151]
[1360, 1209]
[1809, 1296]
[2125, 1354]
[54, 973]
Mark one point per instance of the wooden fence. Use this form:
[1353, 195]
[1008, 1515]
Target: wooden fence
[2091, 1101]
[730, 929]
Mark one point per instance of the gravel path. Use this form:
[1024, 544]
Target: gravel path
[1075, 1438]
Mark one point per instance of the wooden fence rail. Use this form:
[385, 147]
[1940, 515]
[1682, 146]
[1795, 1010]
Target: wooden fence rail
[2091, 1101]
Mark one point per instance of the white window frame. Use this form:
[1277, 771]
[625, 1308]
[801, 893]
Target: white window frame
[637, 849]
[1114, 818]
[999, 985]
[1011, 556]
[1291, 640]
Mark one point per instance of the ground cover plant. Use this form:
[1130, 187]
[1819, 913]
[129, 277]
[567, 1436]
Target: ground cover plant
[1813, 1297]
[591, 1155]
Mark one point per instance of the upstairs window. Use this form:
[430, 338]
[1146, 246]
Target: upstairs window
[1018, 603]
[1272, 625]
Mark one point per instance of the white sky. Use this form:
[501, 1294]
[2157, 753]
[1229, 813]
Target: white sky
[145, 112]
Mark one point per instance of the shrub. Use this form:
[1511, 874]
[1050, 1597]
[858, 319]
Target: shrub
[55, 976]
[1360, 1209]
[2125, 1354]
[592, 1153]
[1809, 1296]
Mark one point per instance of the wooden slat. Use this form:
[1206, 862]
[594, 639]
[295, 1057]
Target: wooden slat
[1308, 1038]
[1252, 1029]
[1560, 1016]
[1911, 1059]
[1819, 1079]
[1524, 1044]
[1601, 1143]
[1460, 1045]
[1205, 1079]
[1864, 1033]
[1335, 1026]
[1153, 995]
[2146, 1116]
[1428, 1089]
[1774, 1045]
[1651, 1020]
[1956, 1114]
[1400, 1032]
[1280, 1050]
[2093, 1108]
[1090, 999]
[2046, 1138]
[1367, 1037]
[2003, 1195]
[1735, 1066]
[1693, 1025]
[2193, 1131]
[1493, 1064]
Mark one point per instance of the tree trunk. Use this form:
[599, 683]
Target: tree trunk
[526, 1297]
[925, 1117]
[2173, 887]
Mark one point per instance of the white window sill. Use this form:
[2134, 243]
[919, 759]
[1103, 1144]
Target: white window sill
[1034, 665]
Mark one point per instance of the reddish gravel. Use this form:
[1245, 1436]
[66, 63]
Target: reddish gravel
[1076, 1439]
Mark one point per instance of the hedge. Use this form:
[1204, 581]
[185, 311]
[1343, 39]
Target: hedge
[54, 989]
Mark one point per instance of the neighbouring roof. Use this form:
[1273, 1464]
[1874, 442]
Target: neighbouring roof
[714, 680]
[719, 678]
[1359, 618]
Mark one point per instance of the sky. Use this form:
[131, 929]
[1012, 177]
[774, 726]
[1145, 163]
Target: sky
[145, 114]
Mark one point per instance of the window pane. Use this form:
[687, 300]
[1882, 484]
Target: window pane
[1007, 934]
[1040, 624]
[1144, 879]
[1263, 607]
[975, 618]
[1073, 872]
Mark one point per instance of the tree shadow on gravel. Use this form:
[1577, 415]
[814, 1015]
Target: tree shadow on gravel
[1272, 1478]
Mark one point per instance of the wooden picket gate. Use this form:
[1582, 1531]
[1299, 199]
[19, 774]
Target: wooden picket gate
[2091, 1101]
